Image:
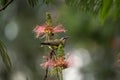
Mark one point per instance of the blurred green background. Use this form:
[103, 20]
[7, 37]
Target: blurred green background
[101, 40]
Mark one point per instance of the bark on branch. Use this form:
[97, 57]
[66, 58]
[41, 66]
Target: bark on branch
[5, 6]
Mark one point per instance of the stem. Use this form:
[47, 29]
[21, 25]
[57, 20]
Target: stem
[46, 74]
[59, 73]
[5, 6]
[46, 37]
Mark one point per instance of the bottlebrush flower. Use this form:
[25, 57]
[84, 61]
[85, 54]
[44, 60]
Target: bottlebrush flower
[49, 62]
[64, 62]
[60, 62]
[46, 64]
[43, 29]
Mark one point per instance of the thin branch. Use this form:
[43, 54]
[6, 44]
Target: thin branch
[5, 6]
[46, 74]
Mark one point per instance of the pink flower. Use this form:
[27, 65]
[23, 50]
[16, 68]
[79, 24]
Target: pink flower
[70, 61]
[58, 28]
[60, 62]
[48, 63]
[64, 62]
[43, 29]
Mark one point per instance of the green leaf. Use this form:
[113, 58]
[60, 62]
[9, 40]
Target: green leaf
[48, 19]
[104, 13]
[116, 8]
[32, 2]
[3, 2]
[73, 3]
[5, 56]
[52, 72]
[60, 50]
[48, 1]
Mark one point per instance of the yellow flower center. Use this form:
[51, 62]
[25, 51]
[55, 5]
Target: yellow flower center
[48, 30]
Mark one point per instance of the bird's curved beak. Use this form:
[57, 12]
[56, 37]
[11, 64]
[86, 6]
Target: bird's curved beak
[66, 37]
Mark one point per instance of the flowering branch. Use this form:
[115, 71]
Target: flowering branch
[57, 60]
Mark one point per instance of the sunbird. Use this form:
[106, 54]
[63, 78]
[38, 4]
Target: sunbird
[55, 43]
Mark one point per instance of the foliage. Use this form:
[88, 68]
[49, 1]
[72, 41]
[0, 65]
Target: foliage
[3, 2]
[5, 56]
[33, 2]
[104, 8]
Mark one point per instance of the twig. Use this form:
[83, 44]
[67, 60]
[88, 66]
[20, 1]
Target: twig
[5, 6]
[60, 74]
[46, 74]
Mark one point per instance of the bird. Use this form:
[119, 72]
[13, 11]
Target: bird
[53, 44]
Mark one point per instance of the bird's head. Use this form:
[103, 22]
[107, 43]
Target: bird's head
[64, 38]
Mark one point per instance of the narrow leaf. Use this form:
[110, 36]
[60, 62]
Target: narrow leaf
[52, 72]
[3, 2]
[116, 8]
[60, 50]
[48, 1]
[107, 4]
[5, 56]
[32, 2]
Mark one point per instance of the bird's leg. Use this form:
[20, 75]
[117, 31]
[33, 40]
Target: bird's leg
[53, 54]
